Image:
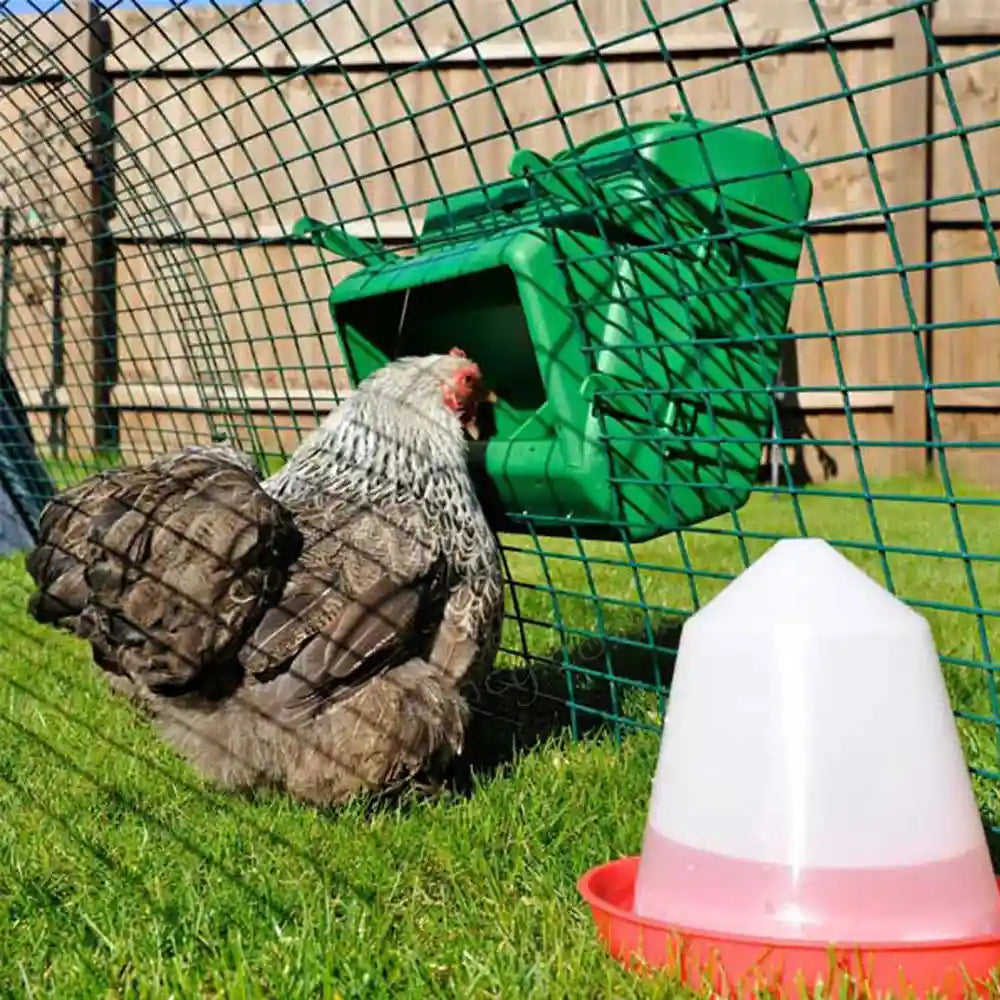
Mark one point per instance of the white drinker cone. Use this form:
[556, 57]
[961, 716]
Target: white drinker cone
[810, 783]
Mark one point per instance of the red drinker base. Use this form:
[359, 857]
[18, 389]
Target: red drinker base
[740, 966]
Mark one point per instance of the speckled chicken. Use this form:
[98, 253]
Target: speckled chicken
[315, 631]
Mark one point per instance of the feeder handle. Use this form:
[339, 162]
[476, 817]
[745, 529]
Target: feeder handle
[565, 181]
[568, 182]
[341, 243]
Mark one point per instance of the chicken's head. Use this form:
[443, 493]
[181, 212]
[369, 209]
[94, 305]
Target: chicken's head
[464, 389]
[417, 395]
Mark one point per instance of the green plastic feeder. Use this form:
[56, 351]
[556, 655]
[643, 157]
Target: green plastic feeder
[623, 300]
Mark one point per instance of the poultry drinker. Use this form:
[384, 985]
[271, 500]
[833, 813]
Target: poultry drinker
[811, 793]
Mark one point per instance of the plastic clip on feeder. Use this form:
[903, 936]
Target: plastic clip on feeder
[605, 295]
[792, 810]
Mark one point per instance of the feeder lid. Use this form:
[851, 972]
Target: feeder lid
[749, 167]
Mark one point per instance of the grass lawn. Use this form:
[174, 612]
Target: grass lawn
[121, 874]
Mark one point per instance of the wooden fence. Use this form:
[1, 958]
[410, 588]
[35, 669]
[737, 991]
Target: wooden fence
[230, 126]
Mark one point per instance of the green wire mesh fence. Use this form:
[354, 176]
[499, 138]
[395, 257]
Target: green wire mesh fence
[156, 292]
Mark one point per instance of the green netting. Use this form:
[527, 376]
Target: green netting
[155, 162]
[199, 137]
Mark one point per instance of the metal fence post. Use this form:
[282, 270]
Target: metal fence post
[103, 248]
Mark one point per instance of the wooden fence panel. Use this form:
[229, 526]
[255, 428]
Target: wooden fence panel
[974, 83]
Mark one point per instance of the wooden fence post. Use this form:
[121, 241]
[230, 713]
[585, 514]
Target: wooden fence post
[911, 182]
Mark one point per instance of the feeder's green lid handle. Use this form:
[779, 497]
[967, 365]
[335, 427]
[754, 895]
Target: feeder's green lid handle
[566, 181]
[341, 243]
[595, 383]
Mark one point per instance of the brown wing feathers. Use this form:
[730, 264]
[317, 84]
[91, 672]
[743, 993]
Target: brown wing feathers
[372, 631]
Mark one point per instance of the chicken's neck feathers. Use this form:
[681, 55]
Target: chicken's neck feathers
[367, 454]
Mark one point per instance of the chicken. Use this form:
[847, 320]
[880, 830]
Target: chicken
[315, 632]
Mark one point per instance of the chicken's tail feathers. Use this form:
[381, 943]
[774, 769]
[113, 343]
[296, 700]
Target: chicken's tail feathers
[163, 568]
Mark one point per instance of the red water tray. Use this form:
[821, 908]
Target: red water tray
[742, 967]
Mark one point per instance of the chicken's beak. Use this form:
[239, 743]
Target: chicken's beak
[471, 425]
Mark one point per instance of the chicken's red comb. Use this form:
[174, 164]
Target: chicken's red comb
[457, 352]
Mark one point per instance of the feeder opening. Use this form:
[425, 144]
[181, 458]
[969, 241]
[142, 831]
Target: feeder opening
[480, 312]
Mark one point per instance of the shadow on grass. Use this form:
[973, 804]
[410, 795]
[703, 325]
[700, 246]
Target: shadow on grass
[992, 839]
[588, 689]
